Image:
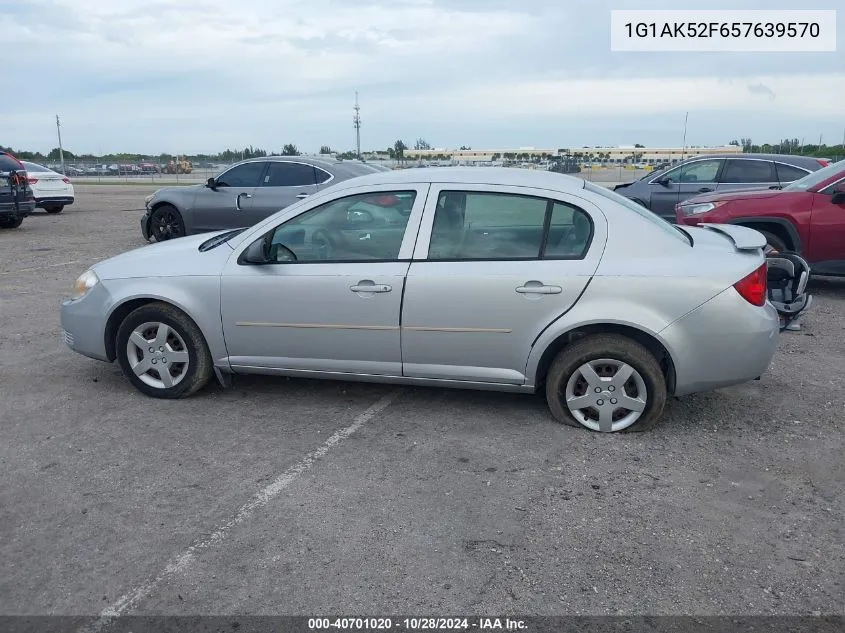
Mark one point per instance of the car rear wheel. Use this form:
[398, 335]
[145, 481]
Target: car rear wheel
[607, 383]
[54, 208]
[166, 223]
[163, 352]
[10, 223]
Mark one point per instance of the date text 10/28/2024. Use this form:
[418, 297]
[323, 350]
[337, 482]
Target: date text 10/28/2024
[417, 624]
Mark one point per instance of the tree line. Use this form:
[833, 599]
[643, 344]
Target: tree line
[398, 149]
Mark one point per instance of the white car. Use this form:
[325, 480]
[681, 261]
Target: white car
[52, 190]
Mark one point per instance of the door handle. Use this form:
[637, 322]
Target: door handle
[238, 200]
[704, 190]
[537, 288]
[368, 286]
[300, 196]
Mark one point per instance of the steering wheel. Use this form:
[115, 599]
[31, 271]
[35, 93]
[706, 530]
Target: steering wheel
[324, 242]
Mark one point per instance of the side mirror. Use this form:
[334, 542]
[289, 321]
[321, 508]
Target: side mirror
[258, 252]
[211, 183]
[838, 195]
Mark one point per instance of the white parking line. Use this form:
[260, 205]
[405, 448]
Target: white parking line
[27, 270]
[178, 564]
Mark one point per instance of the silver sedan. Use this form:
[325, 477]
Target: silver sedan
[498, 279]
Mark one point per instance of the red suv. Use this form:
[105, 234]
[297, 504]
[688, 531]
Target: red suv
[806, 216]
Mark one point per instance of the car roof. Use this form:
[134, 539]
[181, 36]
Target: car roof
[506, 176]
[349, 168]
[791, 159]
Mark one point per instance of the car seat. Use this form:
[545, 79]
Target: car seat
[572, 242]
[787, 277]
[447, 231]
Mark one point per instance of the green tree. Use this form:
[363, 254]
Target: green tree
[325, 149]
[421, 144]
[399, 148]
[290, 150]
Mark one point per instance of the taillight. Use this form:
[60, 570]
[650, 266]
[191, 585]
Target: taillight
[66, 180]
[753, 287]
[32, 180]
[822, 162]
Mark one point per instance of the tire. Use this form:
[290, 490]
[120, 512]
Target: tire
[184, 340]
[10, 223]
[774, 241]
[565, 376]
[55, 209]
[166, 223]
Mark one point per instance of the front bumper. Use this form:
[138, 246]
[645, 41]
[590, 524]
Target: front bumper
[84, 322]
[727, 341]
[145, 225]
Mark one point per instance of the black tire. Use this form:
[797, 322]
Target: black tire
[54, 209]
[774, 241]
[200, 365]
[611, 346]
[10, 223]
[166, 223]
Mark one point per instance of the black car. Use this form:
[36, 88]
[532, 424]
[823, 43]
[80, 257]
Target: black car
[661, 190]
[16, 198]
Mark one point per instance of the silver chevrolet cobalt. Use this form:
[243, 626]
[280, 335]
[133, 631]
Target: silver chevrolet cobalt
[482, 278]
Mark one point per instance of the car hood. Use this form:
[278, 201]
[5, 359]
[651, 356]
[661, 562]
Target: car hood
[173, 258]
[739, 194]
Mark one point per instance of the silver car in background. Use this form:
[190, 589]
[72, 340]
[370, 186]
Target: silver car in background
[499, 279]
[243, 194]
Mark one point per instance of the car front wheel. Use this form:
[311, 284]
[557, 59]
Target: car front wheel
[163, 352]
[166, 223]
[607, 383]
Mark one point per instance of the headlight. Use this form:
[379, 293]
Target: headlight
[698, 209]
[147, 199]
[84, 283]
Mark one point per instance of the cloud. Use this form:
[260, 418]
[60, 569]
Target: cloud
[762, 89]
[195, 75]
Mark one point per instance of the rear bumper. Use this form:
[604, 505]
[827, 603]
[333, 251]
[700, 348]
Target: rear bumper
[727, 341]
[8, 210]
[44, 201]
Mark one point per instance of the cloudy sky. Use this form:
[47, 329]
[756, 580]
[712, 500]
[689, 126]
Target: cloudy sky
[185, 76]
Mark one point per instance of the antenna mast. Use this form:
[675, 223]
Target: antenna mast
[357, 121]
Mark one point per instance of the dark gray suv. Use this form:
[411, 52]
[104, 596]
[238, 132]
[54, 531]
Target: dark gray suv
[660, 191]
[243, 194]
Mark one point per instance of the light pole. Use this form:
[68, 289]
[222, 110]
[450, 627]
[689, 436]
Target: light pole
[61, 151]
[357, 121]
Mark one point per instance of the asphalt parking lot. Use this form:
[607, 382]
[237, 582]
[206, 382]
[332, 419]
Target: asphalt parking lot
[303, 497]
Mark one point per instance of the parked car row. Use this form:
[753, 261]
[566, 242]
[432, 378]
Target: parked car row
[25, 186]
[806, 216]
[660, 191]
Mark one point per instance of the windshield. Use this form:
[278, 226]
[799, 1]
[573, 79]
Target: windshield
[811, 180]
[666, 227]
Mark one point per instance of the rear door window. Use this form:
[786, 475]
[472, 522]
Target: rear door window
[748, 171]
[288, 174]
[788, 173]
